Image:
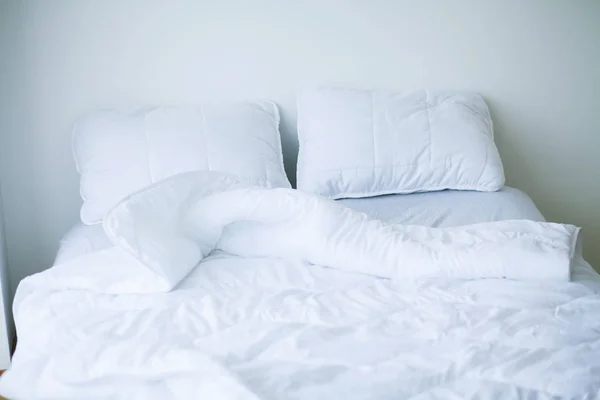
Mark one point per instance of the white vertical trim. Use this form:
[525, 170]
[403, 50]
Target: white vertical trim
[6, 326]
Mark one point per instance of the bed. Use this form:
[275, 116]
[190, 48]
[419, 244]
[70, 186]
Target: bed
[252, 320]
[285, 332]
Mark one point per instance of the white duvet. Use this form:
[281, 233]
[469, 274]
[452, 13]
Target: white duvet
[281, 295]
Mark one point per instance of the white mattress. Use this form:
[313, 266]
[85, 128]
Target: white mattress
[436, 209]
[269, 328]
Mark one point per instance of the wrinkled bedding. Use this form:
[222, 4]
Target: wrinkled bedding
[441, 209]
[240, 327]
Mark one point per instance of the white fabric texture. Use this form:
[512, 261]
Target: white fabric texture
[441, 209]
[448, 208]
[263, 328]
[357, 143]
[120, 152]
[80, 240]
[172, 225]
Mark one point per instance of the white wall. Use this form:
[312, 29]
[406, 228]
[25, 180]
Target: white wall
[536, 61]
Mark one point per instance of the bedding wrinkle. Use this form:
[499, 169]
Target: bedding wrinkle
[360, 309]
[416, 337]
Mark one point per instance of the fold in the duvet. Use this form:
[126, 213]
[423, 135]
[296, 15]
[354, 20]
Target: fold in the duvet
[163, 232]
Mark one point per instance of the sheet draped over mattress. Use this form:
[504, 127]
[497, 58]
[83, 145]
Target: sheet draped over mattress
[164, 231]
[255, 315]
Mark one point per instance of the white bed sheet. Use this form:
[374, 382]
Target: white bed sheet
[285, 330]
[448, 208]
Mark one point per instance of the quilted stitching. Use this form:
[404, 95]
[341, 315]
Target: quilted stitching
[440, 140]
[118, 153]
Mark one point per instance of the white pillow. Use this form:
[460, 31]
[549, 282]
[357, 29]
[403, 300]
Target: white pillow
[118, 153]
[357, 143]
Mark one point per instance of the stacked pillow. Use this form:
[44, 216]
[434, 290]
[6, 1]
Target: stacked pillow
[353, 144]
